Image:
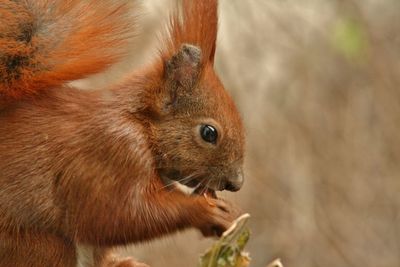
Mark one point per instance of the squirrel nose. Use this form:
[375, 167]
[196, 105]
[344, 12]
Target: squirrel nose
[235, 183]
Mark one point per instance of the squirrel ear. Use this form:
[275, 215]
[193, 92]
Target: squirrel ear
[183, 68]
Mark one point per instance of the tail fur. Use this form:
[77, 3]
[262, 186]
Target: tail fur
[46, 43]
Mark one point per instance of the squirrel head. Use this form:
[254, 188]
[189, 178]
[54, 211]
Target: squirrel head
[195, 130]
[198, 136]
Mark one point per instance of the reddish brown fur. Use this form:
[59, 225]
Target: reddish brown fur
[85, 167]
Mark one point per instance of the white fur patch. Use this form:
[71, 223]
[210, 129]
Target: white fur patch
[171, 184]
[183, 188]
[85, 256]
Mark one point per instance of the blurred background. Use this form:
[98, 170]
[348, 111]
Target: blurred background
[317, 85]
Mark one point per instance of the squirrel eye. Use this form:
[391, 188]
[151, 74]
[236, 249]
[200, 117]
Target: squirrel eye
[209, 133]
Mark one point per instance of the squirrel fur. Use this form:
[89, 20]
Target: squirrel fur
[96, 167]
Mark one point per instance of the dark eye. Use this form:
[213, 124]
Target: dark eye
[209, 133]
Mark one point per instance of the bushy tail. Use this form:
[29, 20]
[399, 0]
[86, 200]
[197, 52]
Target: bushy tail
[45, 43]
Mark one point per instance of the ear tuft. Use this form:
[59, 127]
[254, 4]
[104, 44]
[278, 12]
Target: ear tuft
[184, 67]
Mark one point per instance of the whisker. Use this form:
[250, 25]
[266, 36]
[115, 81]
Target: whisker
[219, 182]
[193, 175]
[204, 189]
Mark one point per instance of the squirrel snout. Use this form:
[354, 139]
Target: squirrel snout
[234, 183]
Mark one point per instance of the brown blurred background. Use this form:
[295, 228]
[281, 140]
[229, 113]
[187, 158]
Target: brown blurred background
[317, 85]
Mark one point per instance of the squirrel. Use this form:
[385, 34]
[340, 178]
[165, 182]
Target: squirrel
[104, 168]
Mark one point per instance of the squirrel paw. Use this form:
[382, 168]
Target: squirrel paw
[221, 215]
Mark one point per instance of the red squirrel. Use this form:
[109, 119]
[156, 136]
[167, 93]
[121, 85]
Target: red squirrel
[101, 168]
